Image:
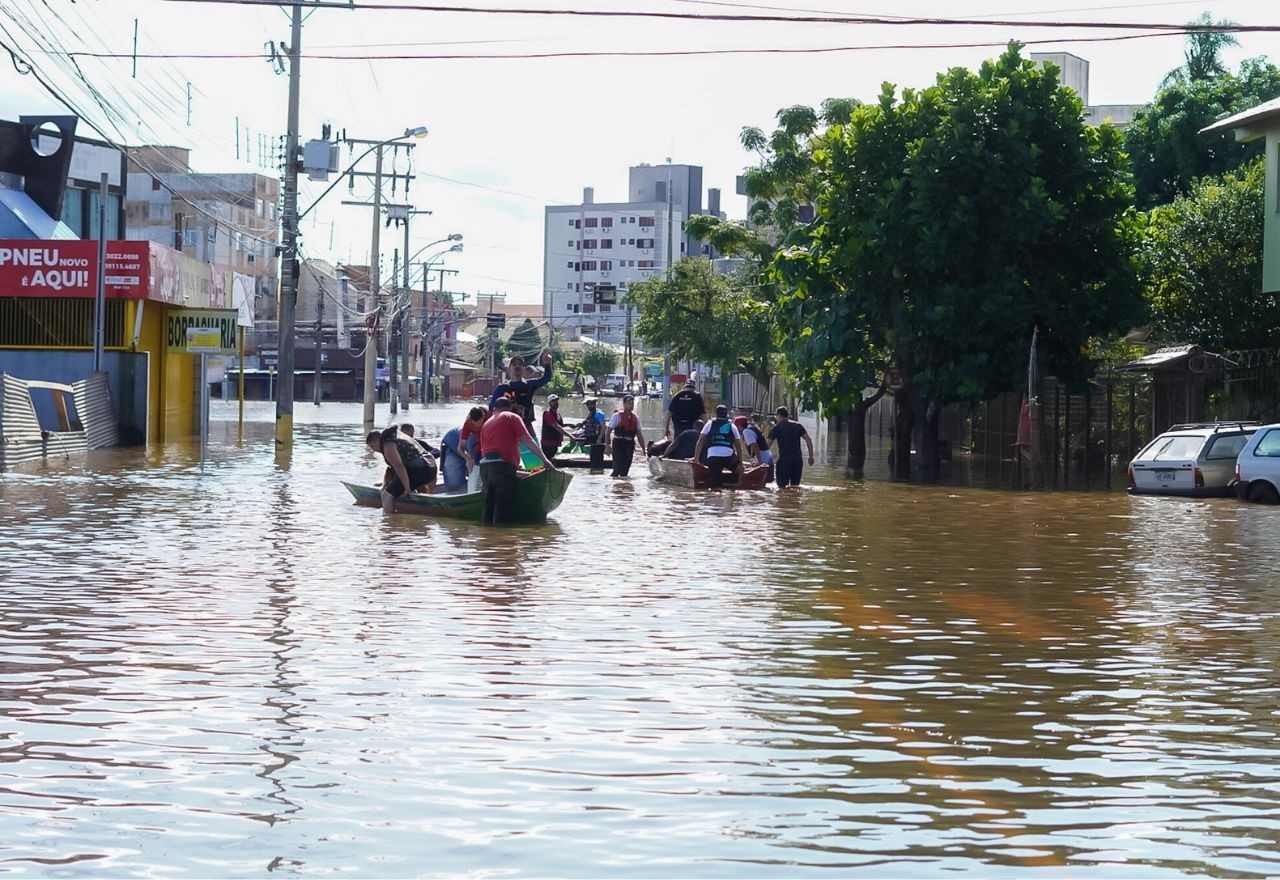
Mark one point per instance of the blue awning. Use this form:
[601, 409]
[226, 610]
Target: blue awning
[20, 217]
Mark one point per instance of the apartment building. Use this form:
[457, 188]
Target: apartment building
[227, 220]
[594, 250]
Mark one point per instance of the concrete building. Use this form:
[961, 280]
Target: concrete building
[593, 250]
[234, 228]
[1073, 72]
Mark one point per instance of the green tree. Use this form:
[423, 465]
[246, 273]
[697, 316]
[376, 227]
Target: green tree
[954, 220]
[598, 360]
[1164, 141]
[525, 341]
[1203, 53]
[699, 314]
[1204, 264]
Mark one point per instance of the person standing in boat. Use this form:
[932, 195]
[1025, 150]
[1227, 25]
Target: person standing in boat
[500, 438]
[410, 469]
[470, 434]
[624, 428]
[592, 430]
[520, 390]
[553, 430]
[685, 408]
[722, 445]
[788, 434]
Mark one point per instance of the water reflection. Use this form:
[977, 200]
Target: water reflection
[241, 672]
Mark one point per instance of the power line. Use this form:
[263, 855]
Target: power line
[762, 18]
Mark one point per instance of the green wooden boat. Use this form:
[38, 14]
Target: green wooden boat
[538, 492]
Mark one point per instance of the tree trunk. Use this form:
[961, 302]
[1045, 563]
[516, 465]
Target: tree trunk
[857, 457]
[930, 458]
[904, 422]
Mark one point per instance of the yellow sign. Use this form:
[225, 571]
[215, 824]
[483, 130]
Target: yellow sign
[216, 331]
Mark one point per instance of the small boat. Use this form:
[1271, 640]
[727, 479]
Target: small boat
[538, 492]
[695, 475]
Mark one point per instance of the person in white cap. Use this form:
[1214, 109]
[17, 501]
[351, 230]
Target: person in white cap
[553, 431]
[685, 408]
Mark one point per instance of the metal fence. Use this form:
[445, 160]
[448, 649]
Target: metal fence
[1087, 438]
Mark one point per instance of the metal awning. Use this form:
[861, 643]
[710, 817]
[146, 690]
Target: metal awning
[1188, 358]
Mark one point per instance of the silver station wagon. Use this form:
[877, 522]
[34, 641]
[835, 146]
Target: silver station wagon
[1196, 460]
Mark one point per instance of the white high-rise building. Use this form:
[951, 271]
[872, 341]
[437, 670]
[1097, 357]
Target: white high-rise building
[593, 251]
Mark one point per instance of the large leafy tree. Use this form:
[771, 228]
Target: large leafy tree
[598, 360]
[1204, 264]
[1164, 141]
[699, 314]
[953, 220]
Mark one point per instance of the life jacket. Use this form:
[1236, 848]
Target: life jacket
[628, 424]
[721, 433]
[409, 450]
[590, 429]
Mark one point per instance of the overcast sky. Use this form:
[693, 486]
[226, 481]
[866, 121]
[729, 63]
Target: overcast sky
[509, 136]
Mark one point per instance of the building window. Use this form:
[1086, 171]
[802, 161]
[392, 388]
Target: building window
[645, 264]
[644, 242]
[607, 222]
[588, 307]
[570, 264]
[606, 307]
[606, 265]
[73, 210]
[646, 221]
[591, 222]
[631, 241]
[588, 265]
[572, 244]
[571, 222]
[606, 243]
[588, 244]
[155, 184]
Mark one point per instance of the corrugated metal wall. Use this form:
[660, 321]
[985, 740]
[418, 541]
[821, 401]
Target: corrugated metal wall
[22, 439]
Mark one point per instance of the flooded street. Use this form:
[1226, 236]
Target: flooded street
[240, 672]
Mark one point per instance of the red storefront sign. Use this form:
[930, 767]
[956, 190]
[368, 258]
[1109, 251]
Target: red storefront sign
[35, 267]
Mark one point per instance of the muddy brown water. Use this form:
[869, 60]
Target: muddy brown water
[239, 672]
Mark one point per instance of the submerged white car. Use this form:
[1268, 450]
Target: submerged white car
[1258, 467]
[1196, 460]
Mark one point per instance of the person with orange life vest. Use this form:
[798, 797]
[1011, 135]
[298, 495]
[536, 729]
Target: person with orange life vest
[624, 429]
[722, 444]
[553, 430]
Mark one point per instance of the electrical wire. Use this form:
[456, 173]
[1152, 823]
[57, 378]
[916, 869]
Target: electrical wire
[896, 21]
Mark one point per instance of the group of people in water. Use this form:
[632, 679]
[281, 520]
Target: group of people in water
[491, 438]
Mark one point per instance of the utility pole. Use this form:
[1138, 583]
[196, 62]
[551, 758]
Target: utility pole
[393, 320]
[375, 290]
[319, 332]
[289, 224]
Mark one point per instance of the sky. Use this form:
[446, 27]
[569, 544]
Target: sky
[509, 136]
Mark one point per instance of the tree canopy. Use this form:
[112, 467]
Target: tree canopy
[699, 314]
[1204, 264]
[1203, 52]
[954, 219]
[598, 360]
[1164, 141]
[525, 341]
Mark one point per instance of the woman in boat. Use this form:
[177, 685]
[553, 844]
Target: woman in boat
[411, 470]
[753, 438]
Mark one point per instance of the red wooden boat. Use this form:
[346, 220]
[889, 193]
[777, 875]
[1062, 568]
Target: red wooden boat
[695, 475]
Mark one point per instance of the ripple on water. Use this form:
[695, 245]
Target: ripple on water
[239, 672]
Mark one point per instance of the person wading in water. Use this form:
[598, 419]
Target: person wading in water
[722, 444]
[553, 430]
[592, 430]
[500, 438]
[624, 428]
[789, 466]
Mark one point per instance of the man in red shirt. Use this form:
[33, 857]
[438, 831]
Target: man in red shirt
[500, 439]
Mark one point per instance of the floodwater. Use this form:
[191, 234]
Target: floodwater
[240, 673]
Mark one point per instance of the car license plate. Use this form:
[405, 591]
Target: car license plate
[1165, 476]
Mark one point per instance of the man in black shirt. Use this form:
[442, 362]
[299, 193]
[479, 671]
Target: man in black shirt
[787, 434]
[685, 408]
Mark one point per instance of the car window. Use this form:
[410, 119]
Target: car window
[1269, 445]
[1228, 446]
[1175, 448]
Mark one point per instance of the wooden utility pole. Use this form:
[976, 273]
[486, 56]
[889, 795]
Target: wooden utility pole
[289, 230]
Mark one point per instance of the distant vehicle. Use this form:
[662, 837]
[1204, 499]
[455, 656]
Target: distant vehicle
[1196, 460]
[615, 382]
[1258, 467]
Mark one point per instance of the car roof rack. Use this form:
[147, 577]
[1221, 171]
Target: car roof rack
[1217, 426]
